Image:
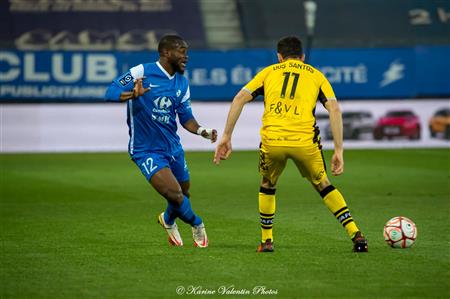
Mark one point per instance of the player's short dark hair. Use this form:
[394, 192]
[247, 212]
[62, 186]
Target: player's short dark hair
[290, 46]
[169, 42]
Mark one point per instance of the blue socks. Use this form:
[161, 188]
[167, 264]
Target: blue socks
[184, 212]
[170, 214]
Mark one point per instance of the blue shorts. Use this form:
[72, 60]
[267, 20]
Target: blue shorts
[152, 162]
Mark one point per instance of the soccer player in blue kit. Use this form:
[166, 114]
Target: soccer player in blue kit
[156, 93]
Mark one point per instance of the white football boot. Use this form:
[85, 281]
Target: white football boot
[199, 236]
[172, 231]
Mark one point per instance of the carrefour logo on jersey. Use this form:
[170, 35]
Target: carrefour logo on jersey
[161, 112]
[57, 68]
[163, 103]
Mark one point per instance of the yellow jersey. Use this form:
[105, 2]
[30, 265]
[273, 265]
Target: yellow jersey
[291, 90]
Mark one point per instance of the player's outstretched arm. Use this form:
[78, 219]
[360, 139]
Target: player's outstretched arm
[224, 147]
[337, 161]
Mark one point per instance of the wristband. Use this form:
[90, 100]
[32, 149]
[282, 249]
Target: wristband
[200, 130]
[208, 132]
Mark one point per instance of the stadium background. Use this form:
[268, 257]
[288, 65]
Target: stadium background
[76, 225]
[48, 55]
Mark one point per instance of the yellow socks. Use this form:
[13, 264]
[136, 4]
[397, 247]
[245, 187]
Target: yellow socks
[266, 212]
[332, 198]
[335, 202]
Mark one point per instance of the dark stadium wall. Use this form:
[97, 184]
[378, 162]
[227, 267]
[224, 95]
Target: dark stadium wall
[349, 23]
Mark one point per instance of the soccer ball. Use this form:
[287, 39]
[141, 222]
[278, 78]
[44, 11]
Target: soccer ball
[400, 232]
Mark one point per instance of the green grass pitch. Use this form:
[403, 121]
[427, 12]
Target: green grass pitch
[84, 226]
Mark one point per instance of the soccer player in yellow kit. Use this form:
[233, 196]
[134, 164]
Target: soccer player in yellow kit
[291, 90]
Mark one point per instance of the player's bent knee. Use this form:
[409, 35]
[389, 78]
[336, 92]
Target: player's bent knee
[266, 183]
[178, 196]
[175, 196]
[322, 185]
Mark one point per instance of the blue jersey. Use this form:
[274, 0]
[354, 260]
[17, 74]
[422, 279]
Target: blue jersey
[151, 118]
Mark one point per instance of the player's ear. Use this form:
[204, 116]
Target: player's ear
[280, 58]
[303, 57]
[165, 53]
